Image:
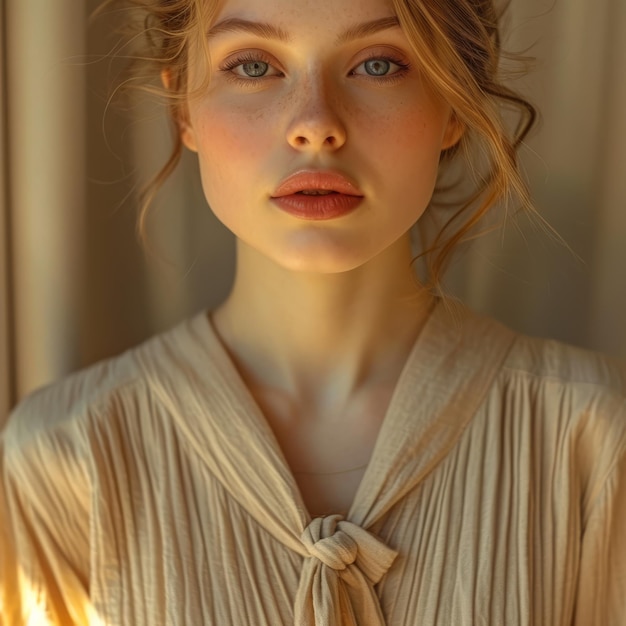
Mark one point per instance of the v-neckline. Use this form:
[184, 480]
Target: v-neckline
[436, 394]
[261, 422]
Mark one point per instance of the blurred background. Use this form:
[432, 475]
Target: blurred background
[76, 286]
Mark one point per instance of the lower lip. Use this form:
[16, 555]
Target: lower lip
[326, 207]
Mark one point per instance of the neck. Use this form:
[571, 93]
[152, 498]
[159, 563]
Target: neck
[306, 334]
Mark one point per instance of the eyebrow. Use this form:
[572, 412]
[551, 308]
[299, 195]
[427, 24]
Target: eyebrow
[237, 25]
[368, 28]
[269, 31]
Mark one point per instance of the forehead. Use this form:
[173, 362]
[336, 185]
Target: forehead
[317, 14]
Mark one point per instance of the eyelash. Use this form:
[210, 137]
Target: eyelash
[242, 59]
[249, 57]
[403, 68]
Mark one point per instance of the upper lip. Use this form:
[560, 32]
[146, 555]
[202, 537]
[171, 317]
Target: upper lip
[325, 180]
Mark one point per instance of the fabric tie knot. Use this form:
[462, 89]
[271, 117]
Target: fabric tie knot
[338, 543]
[337, 582]
[328, 543]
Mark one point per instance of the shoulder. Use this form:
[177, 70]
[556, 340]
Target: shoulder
[538, 360]
[570, 401]
[565, 394]
[550, 360]
[526, 361]
[64, 417]
[584, 389]
[58, 414]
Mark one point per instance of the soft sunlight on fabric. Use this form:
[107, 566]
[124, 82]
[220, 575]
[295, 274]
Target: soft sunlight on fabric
[35, 612]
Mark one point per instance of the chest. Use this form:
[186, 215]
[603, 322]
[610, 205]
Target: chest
[327, 451]
[469, 533]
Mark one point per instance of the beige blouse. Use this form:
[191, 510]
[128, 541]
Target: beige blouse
[149, 490]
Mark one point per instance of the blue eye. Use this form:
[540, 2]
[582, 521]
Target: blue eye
[250, 66]
[255, 69]
[377, 67]
[382, 68]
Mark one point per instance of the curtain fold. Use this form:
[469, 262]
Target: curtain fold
[46, 151]
[608, 311]
[7, 390]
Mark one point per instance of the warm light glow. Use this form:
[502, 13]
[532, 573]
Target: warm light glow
[34, 608]
[35, 611]
[38, 617]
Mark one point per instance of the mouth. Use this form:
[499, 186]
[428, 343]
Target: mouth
[317, 195]
[315, 192]
[317, 183]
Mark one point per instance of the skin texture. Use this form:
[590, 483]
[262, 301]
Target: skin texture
[336, 306]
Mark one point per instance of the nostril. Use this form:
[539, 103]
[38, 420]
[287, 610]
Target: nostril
[303, 141]
[314, 138]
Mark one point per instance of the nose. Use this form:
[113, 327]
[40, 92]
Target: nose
[315, 124]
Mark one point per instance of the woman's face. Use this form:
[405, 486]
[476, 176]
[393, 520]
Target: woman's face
[320, 87]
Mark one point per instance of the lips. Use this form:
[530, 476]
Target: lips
[317, 195]
[312, 181]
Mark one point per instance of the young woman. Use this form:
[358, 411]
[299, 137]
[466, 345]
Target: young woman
[335, 444]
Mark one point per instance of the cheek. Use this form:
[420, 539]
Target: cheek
[231, 147]
[228, 137]
[417, 129]
[409, 122]
[405, 146]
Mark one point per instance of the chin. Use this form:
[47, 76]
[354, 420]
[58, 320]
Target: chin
[306, 265]
[323, 263]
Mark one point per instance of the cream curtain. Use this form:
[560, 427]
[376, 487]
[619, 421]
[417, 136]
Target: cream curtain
[6, 378]
[76, 286]
[577, 168]
[44, 187]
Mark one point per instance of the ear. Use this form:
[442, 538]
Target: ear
[180, 115]
[453, 133]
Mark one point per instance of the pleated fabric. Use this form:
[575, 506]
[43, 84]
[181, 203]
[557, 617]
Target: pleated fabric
[150, 489]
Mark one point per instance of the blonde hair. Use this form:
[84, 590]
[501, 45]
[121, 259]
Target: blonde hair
[459, 47]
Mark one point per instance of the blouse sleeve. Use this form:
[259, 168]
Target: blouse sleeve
[44, 526]
[601, 597]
